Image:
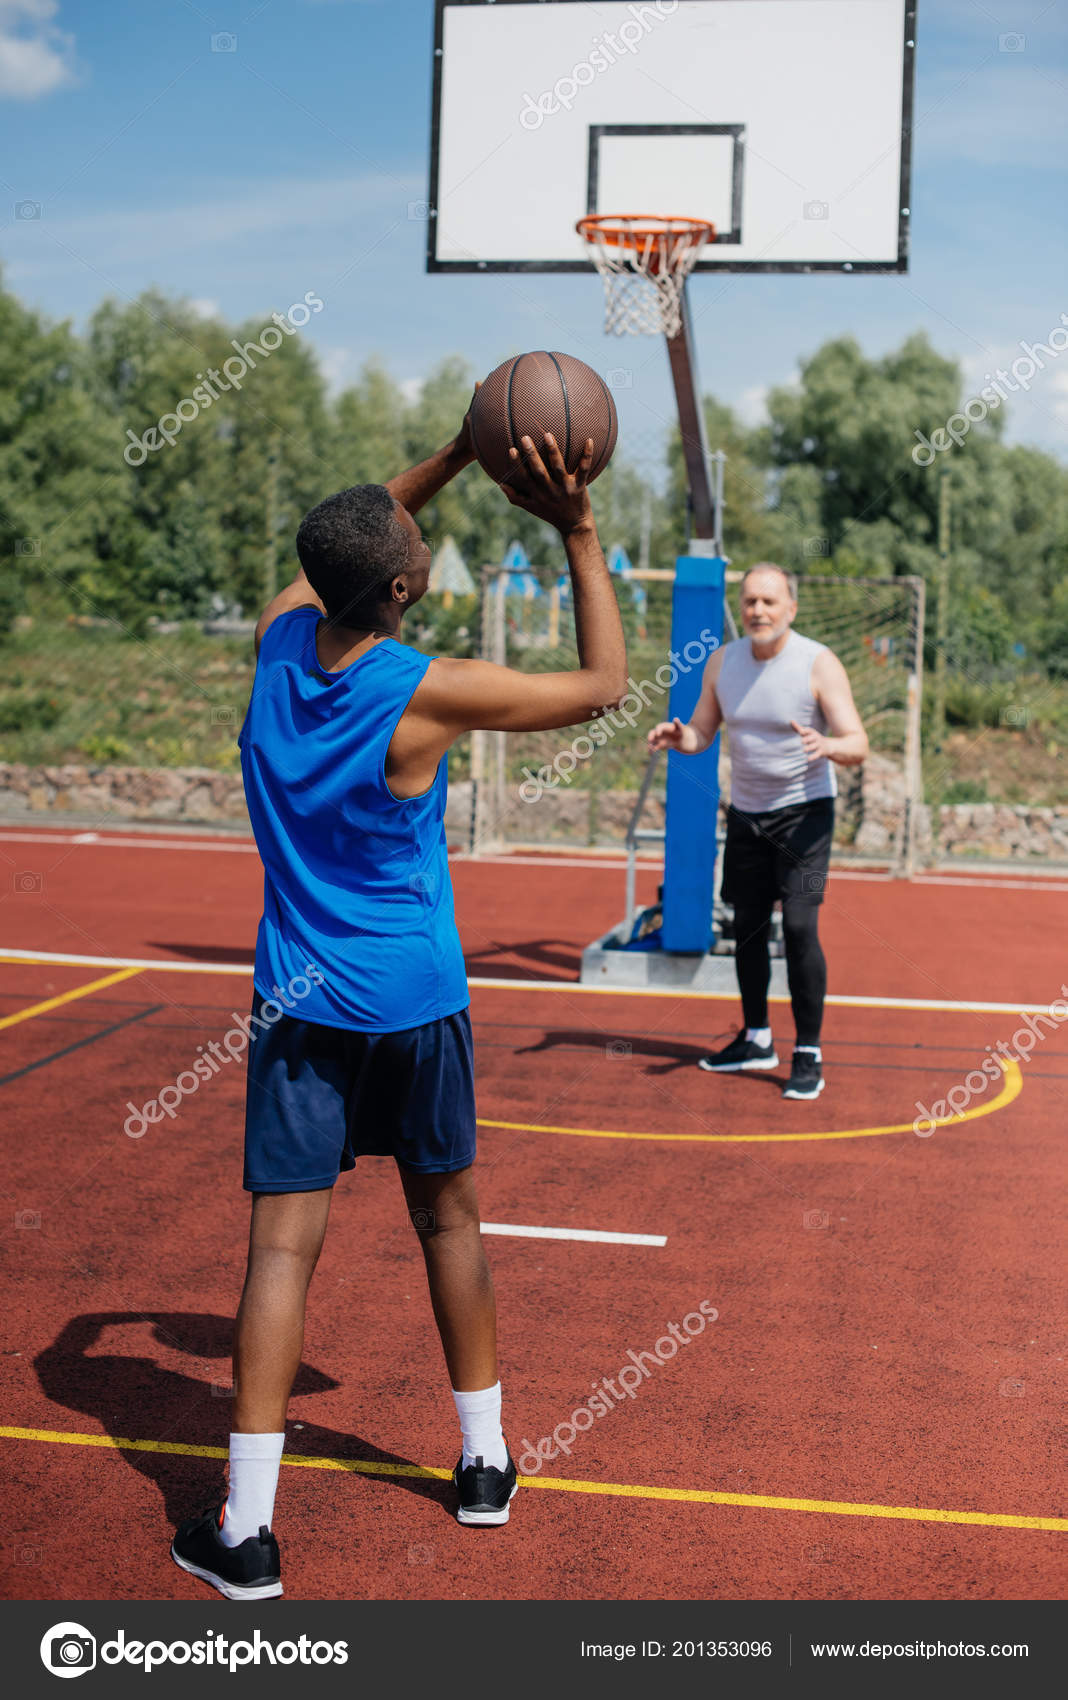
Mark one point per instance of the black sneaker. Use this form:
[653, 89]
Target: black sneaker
[251, 1571]
[740, 1054]
[806, 1077]
[485, 1495]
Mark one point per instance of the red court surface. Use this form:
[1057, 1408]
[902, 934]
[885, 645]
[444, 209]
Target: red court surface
[871, 1413]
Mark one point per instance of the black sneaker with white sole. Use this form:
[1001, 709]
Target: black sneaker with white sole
[485, 1494]
[806, 1077]
[251, 1571]
[741, 1054]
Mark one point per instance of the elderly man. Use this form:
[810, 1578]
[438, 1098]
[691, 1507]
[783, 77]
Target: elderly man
[790, 717]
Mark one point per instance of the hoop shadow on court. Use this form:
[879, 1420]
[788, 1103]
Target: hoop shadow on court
[135, 1397]
[675, 1054]
[521, 954]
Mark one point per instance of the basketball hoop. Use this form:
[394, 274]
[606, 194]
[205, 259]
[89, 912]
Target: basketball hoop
[644, 262]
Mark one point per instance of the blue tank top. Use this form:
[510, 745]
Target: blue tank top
[357, 880]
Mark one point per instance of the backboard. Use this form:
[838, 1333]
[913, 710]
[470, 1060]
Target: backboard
[785, 123]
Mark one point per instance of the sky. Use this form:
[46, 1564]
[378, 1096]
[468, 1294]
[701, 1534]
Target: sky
[243, 152]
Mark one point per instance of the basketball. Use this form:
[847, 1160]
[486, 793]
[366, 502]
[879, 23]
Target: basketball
[535, 393]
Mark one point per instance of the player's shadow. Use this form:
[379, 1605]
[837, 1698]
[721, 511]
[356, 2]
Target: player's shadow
[138, 1398]
[537, 953]
[674, 1054]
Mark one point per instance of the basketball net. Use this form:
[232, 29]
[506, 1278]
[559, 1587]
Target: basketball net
[644, 262]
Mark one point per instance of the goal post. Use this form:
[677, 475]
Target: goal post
[579, 786]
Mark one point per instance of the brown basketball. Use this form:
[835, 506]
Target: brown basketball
[535, 393]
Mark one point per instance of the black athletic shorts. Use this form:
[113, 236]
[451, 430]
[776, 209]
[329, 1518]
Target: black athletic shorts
[784, 853]
[319, 1097]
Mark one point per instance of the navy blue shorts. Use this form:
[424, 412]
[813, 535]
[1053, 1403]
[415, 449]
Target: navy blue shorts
[319, 1097]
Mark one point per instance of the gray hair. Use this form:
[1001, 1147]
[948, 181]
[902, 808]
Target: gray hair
[771, 567]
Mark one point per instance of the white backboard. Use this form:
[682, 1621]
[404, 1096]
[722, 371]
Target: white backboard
[784, 122]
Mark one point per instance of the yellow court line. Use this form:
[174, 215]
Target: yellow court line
[69, 997]
[626, 1490]
[1011, 1089]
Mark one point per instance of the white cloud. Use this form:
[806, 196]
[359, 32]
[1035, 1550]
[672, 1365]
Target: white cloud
[1038, 414]
[236, 213]
[1058, 394]
[751, 405]
[334, 364]
[204, 308]
[1010, 111]
[35, 56]
[411, 389]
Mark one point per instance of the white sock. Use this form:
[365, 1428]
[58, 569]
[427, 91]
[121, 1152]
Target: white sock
[813, 1050]
[758, 1035]
[480, 1424]
[255, 1460]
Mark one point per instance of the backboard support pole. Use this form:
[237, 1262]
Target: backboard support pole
[705, 500]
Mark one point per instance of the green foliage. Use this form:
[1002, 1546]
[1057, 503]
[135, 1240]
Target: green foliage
[973, 705]
[70, 693]
[26, 711]
[94, 526]
[102, 748]
[12, 597]
[965, 791]
[447, 631]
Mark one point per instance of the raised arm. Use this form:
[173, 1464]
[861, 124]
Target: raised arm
[420, 484]
[412, 489]
[847, 742]
[459, 696]
[704, 723]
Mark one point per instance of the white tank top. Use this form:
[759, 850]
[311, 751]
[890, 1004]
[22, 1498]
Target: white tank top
[758, 700]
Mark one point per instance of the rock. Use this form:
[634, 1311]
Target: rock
[872, 801]
[873, 839]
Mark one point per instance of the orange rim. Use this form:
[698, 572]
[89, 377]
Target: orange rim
[619, 230]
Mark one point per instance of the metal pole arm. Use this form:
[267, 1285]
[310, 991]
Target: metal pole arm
[683, 357]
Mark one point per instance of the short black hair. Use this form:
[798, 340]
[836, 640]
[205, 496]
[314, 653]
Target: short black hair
[350, 545]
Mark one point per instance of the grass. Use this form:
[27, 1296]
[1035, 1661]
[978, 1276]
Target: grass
[71, 693]
[91, 696]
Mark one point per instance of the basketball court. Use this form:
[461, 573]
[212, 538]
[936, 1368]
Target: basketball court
[750, 1350]
[870, 1414]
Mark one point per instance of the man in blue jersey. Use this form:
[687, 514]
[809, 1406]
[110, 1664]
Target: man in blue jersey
[788, 708]
[360, 1034]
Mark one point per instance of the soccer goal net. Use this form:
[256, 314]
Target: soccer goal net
[581, 786]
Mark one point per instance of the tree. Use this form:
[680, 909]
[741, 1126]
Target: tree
[59, 475]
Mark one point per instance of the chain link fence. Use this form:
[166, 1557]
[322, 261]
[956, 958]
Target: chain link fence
[579, 786]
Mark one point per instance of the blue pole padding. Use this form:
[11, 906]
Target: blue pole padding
[693, 781]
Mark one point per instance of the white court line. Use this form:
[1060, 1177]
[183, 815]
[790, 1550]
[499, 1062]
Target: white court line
[245, 847]
[165, 965]
[989, 884]
[573, 1234]
[94, 841]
